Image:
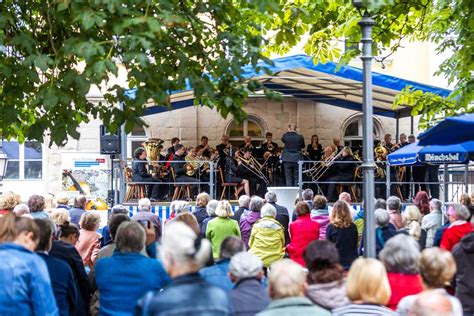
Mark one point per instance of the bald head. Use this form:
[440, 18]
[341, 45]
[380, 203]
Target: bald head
[292, 127]
[431, 303]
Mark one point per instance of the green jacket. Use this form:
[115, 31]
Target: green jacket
[293, 306]
[267, 240]
[218, 229]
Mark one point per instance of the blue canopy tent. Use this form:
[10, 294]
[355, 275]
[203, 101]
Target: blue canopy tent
[300, 77]
[452, 130]
[404, 156]
[415, 154]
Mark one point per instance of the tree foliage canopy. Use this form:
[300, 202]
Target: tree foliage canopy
[53, 51]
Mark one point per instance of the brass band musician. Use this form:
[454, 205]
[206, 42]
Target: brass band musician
[269, 145]
[314, 149]
[232, 168]
[249, 168]
[344, 171]
[140, 173]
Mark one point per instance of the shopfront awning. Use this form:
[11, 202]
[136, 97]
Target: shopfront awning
[298, 76]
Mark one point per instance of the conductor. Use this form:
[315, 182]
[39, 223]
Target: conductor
[294, 143]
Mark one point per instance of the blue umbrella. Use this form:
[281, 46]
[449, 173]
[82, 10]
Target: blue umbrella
[458, 153]
[452, 130]
[406, 155]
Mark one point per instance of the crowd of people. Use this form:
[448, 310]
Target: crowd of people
[261, 259]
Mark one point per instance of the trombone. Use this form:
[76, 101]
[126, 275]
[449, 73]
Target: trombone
[253, 166]
[318, 166]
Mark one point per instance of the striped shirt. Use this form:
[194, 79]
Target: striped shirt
[362, 309]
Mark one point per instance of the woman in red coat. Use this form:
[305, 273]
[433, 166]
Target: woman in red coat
[401, 257]
[457, 215]
[302, 232]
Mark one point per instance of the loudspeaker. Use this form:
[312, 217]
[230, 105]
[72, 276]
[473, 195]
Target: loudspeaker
[109, 143]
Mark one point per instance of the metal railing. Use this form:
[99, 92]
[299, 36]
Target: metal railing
[451, 179]
[168, 178]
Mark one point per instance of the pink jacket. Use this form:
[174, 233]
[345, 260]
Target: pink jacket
[323, 221]
[396, 219]
[88, 246]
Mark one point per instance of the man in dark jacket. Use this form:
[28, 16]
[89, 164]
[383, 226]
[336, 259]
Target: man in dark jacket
[248, 297]
[62, 278]
[463, 253]
[140, 173]
[282, 214]
[344, 172]
[294, 143]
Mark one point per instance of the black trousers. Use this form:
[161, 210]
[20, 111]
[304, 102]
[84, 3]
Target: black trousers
[332, 194]
[156, 191]
[291, 173]
[419, 175]
[432, 176]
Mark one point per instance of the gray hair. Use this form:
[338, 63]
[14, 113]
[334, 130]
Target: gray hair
[256, 203]
[286, 279]
[144, 204]
[181, 207]
[271, 197]
[380, 203]
[21, 209]
[245, 265]
[181, 246]
[211, 207]
[401, 254]
[308, 195]
[130, 237]
[436, 204]
[268, 210]
[382, 218]
[119, 209]
[462, 212]
[394, 204]
[231, 246]
[244, 201]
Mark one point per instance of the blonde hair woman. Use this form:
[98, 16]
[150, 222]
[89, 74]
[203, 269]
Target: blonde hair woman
[367, 288]
[221, 227]
[412, 222]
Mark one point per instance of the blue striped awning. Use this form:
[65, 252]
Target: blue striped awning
[300, 77]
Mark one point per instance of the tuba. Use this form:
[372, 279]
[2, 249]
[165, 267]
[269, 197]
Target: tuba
[191, 165]
[380, 156]
[153, 148]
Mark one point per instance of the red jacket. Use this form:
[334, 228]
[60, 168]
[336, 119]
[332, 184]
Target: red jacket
[402, 285]
[453, 235]
[302, 232]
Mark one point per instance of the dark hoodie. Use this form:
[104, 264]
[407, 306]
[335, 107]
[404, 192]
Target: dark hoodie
[464, 254]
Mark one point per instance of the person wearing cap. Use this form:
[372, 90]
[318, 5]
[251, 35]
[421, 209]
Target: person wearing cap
[248, 297]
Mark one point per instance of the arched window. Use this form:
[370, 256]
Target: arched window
[250, 127]
[353, 133]
[135, 139]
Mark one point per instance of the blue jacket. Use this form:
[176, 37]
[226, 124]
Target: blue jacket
[200, 213]
[71, 256]
[218, 275]
[63, 283]
[188, 294]
[76, 214]
[125, 277]
[249, 297]
[25, 285]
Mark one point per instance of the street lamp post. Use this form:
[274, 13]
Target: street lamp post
[368, 165]
[3, 164]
